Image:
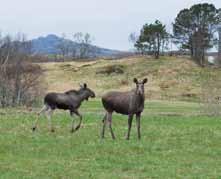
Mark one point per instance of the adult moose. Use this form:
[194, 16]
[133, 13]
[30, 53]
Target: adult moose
[70, 100]
[127, 103]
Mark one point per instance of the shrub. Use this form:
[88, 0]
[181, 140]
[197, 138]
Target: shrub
[117, 69]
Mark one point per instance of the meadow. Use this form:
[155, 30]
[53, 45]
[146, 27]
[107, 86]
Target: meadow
[178, 141]
[179, 138]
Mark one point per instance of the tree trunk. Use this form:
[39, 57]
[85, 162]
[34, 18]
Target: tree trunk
[191, 51]
[198, 48]
[219, 54]
[158, 47]
[156, 55]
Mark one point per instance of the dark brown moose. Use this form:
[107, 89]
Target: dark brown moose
[127, 103]
[70, 100]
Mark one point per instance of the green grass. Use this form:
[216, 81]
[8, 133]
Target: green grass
[177, 142]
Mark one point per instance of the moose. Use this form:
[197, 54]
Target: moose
[70, 100]
[126, 103]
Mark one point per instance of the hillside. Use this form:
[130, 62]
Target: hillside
[48, 46]
[170, 78]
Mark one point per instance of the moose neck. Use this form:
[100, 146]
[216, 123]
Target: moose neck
[140, 97]
[83, 95]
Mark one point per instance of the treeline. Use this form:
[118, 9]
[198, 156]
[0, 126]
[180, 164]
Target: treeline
[194, 32]
[19, 78]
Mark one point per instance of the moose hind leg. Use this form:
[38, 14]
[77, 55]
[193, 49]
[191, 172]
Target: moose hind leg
[110, 124]
[72, 125]
[49, 115]
[43, 110]
[104, 126]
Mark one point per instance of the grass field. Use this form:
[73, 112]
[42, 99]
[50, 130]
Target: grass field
[177, 142]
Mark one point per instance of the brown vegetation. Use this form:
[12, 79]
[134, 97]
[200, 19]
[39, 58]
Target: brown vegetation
[19, 79]
[117, 69]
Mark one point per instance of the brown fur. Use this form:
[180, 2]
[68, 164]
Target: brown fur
[127, 103]
[70, 100]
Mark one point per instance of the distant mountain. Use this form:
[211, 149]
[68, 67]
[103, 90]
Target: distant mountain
[48, 46]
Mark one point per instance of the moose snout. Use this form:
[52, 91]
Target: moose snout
[93, 95]
[140, 91]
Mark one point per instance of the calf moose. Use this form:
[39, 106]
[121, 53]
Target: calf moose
[127, 103]
[70, 100]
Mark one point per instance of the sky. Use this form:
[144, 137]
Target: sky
[109, 21]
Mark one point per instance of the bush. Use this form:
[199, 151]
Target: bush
[19, 84]
[19, 78]
[117, 69]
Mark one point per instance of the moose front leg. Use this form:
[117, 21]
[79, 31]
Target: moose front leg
[138, 125]
[80, 116]
[130, 118]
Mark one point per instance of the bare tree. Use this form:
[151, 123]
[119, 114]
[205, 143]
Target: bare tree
[73, 51]
[133, 37]
[84, 41]
[64, 47]
[19, 79]
[219, 46]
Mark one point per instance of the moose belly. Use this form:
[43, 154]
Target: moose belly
[121, 108]
[64, 106]
[125, 112]
[118, 102]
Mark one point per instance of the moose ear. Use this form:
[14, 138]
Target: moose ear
[81, 86]
[135, 80]
[85, 85]
[145, 80]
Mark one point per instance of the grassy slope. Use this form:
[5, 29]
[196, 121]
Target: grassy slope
[176, 143]
[169, 77]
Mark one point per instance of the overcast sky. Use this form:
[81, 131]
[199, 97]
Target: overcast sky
[108, 21]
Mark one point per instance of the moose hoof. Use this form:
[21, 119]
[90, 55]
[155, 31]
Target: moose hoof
[78, 127]
[72, 130]
[33, 129]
